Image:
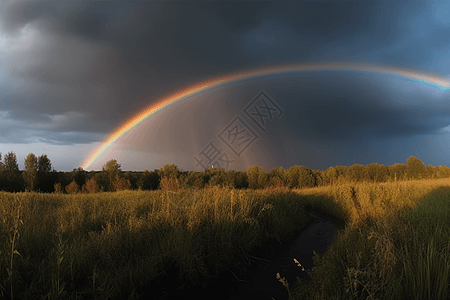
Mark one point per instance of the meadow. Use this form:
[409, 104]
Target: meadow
[133, 244]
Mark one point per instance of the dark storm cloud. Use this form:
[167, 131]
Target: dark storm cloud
[92, 65]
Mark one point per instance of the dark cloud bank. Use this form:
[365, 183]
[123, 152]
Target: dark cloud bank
[91, 65]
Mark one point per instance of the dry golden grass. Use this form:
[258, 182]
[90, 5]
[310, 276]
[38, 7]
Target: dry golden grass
[109, 245]
[388, 249]
[113, 244]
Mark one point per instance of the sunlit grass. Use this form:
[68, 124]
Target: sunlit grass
[396, 247]
[395, 243]
[110, 245]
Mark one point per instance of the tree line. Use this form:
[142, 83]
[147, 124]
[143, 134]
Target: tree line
[39, 175]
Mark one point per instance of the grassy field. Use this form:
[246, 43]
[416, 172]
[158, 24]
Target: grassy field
[112, 245]
[395, 244]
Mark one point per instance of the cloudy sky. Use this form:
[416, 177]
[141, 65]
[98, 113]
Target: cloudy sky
[71, 72]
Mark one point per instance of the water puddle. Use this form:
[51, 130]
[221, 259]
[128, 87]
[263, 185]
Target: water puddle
[262, 283]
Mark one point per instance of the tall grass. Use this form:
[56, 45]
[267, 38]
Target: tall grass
[396, 243]
[115, 245]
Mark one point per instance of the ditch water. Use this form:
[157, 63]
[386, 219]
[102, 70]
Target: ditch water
[258, 279]
[262, 283]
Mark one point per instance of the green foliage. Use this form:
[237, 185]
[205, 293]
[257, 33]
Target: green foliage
[397, 171]
[257, 177]
[30, 174]
[170, 171]
[44, 164]
[112, 170]
[12, 180]
[148, 181]
[306, 178]
[443, 172]
[332, 175]
[217, 176]
[320, 177]
[10, 163]
[133, 178]
[241, 180]
[300, 176]
[415, 168]
[278, 177]
[358, 172]
[377, 173]
[46, 178]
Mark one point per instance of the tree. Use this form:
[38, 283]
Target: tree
[432, 171]
[121, 184]
[144, 181]
[320, 177]
[397, 171]
[358, 172]
[278, 177]
[217, 176]
[305, 177]
[377, 173]
[133, 177]
[44, 164]
[257, 177]
[148, 181]
[44, 173]
[111, 169]
[242, 180]
[232, 178]
[300, 176]
[10, 163]
[331, 175]
[191, 179]
[30, 173]
[79, 175]
[72, 188]
[168, 184]
[170, 171]
[92, 186]
[415, 168]
[343, 173]
[443, 172]
[13, 182]
[58, 188]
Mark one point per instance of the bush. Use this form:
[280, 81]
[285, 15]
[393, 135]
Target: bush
[122, 184]
[72, 188]
[92, 186]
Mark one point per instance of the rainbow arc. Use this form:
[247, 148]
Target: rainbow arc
[419, 77]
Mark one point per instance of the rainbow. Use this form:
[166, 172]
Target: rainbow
[423, 78]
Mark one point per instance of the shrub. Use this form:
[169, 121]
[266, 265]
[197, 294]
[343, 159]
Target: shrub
[72, 188]
[58, 188]
[92, 186]
[121, 184]
[168, 184]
